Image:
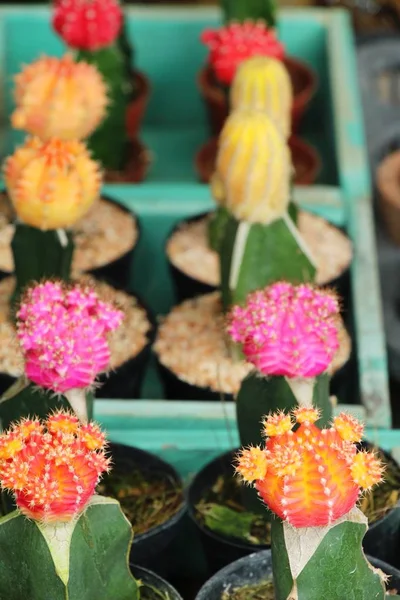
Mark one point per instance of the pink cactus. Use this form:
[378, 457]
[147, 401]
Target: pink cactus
[287, 330]
[63, 333]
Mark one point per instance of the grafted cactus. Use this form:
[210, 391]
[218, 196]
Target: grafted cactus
[49, 89]
[92, 28]
[51, 185]
[311, 479]
[258, 243]
[290, 335]
[62, 541]
[242, 10]
[63, 333]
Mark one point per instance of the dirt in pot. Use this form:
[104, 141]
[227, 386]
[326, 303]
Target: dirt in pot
[148, 498]
[222, 511]
[148, 592]
[259, 591]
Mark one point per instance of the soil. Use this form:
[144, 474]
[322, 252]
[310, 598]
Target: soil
[259, 591]
[188, 249]
[125, 343]
[104, 234]
[192, 343]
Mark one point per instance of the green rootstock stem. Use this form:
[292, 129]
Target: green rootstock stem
[109, 143]
[86, 559]
[240, 10]
[253, 256]
[324, 562]
[126, 48]
[259, 396]
[40, 255]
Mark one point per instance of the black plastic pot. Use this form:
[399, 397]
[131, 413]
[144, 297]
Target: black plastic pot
[187, 287]
[257, 568]
[150, 549]
[156, 582]
[381, 540]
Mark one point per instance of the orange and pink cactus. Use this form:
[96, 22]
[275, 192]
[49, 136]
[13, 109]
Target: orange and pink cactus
[52, 467]
[59, 97]
[63, 333]
[287, 330]
[309, 477]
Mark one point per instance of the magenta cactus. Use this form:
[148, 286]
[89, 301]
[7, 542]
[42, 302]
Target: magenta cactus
[287, 330]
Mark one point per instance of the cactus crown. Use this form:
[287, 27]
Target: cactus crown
[52, 467]
[252, 175]
[263, 83]
[50, 88]
[51, 184]
[63, 334]
[232, 44]
[287, 330]
[309, 477]
[87, 24]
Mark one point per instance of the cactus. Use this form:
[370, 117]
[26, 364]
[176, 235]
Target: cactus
[242, 10]
[91, 28]
[50, 88]
[229, 46]
[51, 186]
[311, 480]
[62, 541]
[290, 335]
[63, 333]
[263, 83]
[259, 243]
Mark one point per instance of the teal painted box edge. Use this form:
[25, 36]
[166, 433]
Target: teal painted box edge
[348, 204]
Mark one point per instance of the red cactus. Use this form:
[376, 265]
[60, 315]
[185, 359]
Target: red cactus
[309, 477]
[236, 42]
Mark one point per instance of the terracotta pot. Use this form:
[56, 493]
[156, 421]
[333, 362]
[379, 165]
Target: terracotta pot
[388, 185]
[137, 107]
[305, 158]
[304, 82]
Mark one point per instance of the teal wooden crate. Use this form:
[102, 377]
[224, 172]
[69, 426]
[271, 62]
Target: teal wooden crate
[169, 51]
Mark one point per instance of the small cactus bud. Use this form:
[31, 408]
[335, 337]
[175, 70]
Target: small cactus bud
[232, 44]
[87, 24]
[262, 83]
[51, 184]
[52, 467]
[252, 176]
[287, 330]
[63, 334]
[309, 477]
[49, 89]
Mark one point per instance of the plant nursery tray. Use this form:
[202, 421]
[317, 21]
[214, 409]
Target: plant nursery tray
[168, 50]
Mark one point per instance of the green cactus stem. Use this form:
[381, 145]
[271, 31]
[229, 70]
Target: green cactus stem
[240, 10]
[40, 255]
[255, 255]
[109, 143]
[127, 50]
[216, 227]
[324, 562]
[259, 396]
[84, 559]
[24, 399]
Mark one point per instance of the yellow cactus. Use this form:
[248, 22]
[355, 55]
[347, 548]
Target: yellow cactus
[51, 184]
[58, 97]
[263, 83]
[252, 176]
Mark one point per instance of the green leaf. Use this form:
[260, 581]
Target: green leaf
[40, 255]
[324, 562]
[87, 560]
[228, 522]
[253, 256]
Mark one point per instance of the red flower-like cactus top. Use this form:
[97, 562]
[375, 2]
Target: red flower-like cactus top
[310, 477]
[87, 24]
[63, 332]
[52, 467]
[234, 43]
[287, 330]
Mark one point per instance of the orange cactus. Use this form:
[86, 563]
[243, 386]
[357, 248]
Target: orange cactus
[58, 97]
[310, 477]
[51, 184]
[52, 467]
